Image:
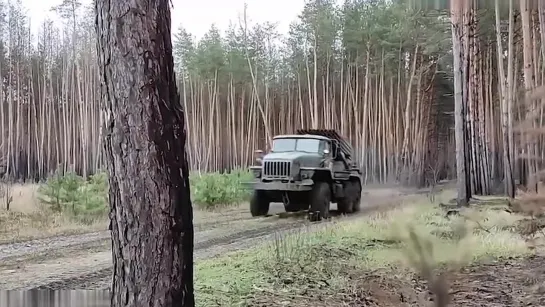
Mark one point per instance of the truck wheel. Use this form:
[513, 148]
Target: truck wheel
[320, 197]
[346, 204]
[357, 201]
[259, 204]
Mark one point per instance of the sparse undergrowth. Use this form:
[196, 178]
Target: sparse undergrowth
[69, 204]
[83, 200]
[355, 262]
[215, 190]
[63, 204]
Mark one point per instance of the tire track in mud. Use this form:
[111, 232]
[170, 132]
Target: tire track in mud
[39, 246]
[101, 278]
[203, 249]
[216, 224]
[78, 250]
[36, 247]
[18, 249]
[93, 258]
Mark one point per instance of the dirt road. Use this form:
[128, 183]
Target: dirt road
[84, 261]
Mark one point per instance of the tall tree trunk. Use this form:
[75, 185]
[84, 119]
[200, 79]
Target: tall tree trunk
[509, 183]
[151, 212]
[529, 78]
[457, 11]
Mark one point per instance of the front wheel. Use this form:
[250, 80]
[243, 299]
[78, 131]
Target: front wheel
[259, 204]
[320, 198]
[357, 191]
[345, 205]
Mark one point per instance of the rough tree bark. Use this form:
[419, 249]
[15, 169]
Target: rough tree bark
[151, 213]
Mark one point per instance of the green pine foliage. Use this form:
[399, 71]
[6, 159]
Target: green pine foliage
[87, 199]
[213, 190]
[69, 193]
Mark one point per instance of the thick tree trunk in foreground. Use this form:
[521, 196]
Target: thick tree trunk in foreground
[151, 214]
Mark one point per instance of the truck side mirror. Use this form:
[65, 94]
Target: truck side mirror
[326, 151]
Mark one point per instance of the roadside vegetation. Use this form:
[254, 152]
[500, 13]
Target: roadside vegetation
[68, 203]
[373, 261]
[216, 190]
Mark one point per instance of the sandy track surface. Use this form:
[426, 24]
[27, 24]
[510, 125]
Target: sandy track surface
[84, 261]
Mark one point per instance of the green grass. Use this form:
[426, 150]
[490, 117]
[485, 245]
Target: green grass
[323, 261]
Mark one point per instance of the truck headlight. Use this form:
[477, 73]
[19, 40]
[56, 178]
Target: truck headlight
[306, 174]
[256, 172]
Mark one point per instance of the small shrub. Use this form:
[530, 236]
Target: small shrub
[51, 194]
[70, 193]
[211, 190]
[82, 199]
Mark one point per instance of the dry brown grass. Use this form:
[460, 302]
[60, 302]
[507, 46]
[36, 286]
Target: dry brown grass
[532, 227]
[28, 219]
[25, 198]
[17, 226]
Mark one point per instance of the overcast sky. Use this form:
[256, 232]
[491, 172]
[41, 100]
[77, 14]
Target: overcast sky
[198, 15]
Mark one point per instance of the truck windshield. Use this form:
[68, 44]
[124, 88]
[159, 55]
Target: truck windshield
[305, 145]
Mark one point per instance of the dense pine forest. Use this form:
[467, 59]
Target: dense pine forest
[387, 76]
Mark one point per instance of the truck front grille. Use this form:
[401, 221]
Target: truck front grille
[276, 169]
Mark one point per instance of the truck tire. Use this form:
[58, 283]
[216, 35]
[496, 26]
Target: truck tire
[357, 202]
[320, 198]
[259, 204]
[345, 205]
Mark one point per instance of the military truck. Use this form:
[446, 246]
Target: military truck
[307, 170]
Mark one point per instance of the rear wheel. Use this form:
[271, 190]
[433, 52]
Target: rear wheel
[320, 198]
[259, 204]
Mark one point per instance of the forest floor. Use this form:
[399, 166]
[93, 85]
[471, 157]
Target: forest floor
[367, 259]
[83, 260]
[483, 252]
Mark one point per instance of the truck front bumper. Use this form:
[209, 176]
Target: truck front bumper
[299, 186]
